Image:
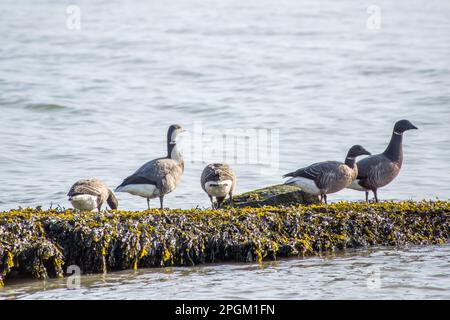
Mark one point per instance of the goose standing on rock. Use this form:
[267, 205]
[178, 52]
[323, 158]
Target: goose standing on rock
[218, 180]
[160, 176]
[88, 194]
[327, 177]
[379, 170]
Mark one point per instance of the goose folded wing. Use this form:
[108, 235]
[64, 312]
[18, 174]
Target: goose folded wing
[208, 174]
[84, 189]
[315, 170]
[137, 179]
[225, 173]
[367, 165]
[155, 171]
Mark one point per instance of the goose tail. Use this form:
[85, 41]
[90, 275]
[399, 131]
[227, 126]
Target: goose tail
[120, 188]
[112, 201]
[290, 174]
[291, 181]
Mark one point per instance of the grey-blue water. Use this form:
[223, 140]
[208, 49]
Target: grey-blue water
[379, 273]
[313, 77]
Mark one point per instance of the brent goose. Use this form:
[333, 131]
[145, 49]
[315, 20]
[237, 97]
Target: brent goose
[379, 170]
[218, 180]
[88, 194]
[160, 176]
[327, 177]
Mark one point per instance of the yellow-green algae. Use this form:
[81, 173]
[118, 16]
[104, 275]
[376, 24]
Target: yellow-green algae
[43, 244]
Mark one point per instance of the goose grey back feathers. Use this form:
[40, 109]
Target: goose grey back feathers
[218, 180]
[157, 177]
[379, 170]
[163, 173]
[88, 194]
[327, 177]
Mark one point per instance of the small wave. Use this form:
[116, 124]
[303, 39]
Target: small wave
[46, 107]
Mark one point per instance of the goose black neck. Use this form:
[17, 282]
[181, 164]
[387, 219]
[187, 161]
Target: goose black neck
[350, 161]
[394, 151]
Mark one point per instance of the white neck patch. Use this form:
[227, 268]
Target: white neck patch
[176, 154]
[398, 133]
[175, 135]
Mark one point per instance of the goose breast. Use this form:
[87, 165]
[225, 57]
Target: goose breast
[376, 172]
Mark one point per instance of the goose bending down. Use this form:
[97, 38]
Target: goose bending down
[379, 170]
[218, 180]
[160, 176]
[88, 194]
[327, 177]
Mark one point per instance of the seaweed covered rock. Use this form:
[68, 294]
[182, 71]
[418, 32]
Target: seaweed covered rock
[276, 195]
[42, 244]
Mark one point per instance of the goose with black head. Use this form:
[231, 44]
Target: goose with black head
[218, 180]
[90, 194]
[327, 177]
[381, 169]
[160, 176]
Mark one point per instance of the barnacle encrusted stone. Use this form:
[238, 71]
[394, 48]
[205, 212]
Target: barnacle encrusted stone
[281, 194]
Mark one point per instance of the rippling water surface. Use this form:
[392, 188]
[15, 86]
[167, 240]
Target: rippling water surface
[383, 273]
[98, 101]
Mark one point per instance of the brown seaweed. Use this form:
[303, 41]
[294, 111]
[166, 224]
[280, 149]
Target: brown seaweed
[42, 244]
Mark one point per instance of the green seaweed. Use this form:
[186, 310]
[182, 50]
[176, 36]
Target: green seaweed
[42, 244]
